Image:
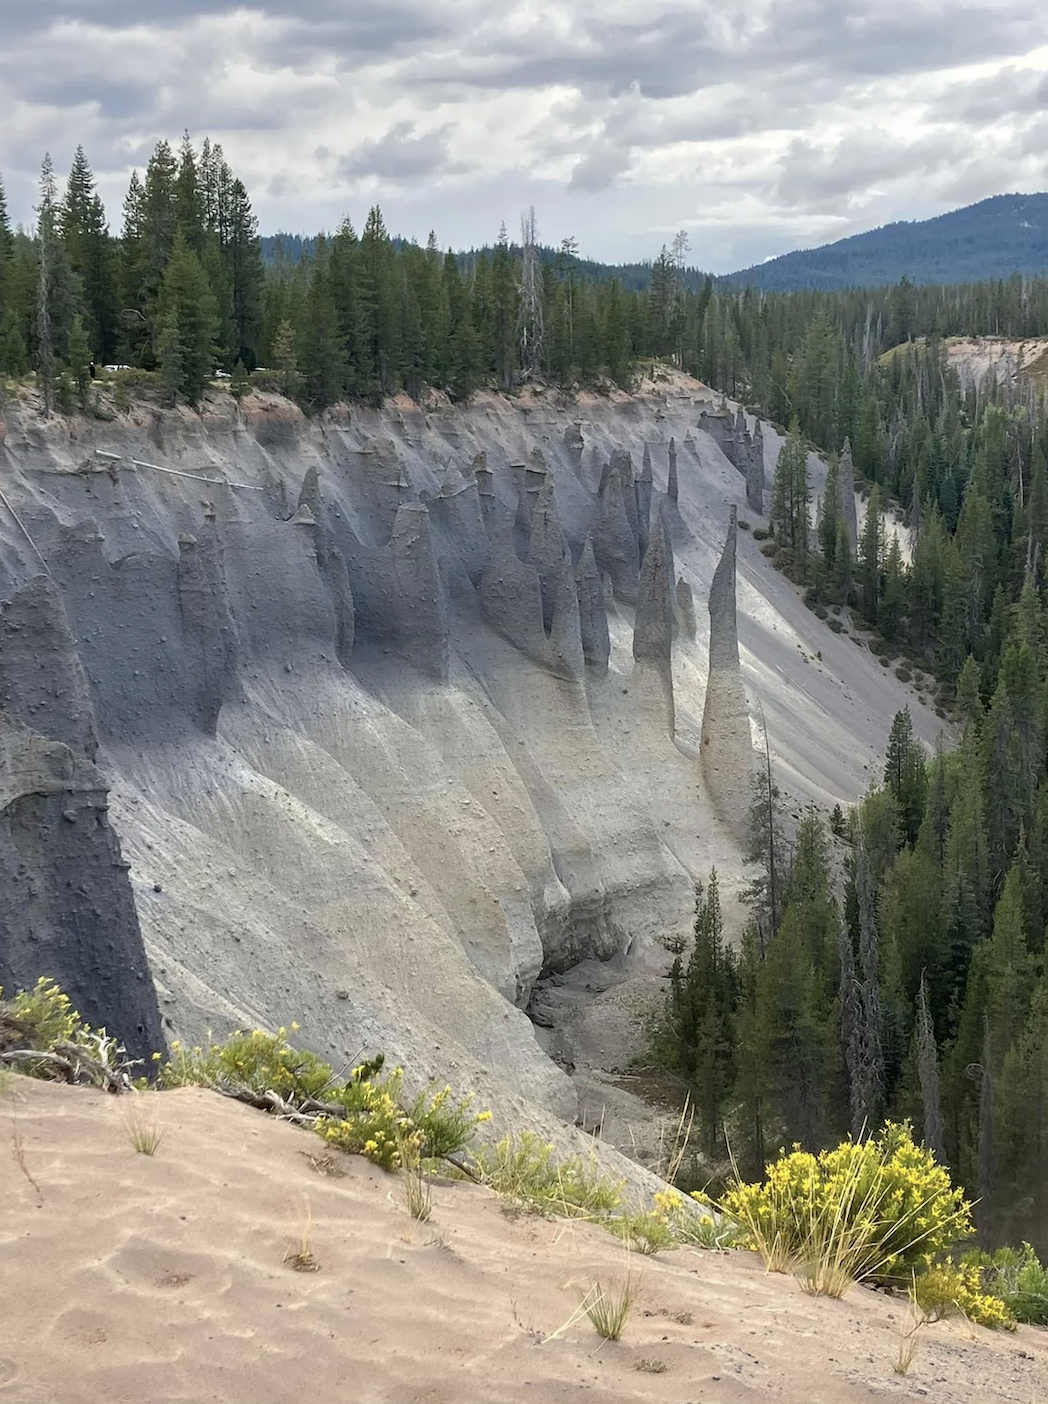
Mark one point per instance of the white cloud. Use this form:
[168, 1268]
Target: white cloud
[760, 126]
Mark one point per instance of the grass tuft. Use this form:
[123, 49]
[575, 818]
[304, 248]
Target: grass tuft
[609, 1308]
[145, 1135]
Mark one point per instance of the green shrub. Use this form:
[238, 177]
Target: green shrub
[878, 1209]
[835, 625]
[770, 549]
[903, 673]
[525, 1168]
[1017, 1277]
[761, 533]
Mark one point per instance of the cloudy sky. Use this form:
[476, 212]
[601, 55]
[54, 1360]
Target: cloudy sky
[755, 125]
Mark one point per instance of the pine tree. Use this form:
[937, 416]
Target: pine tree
[699, 1027]
[91, 256]
[791, 499]
[186, 307]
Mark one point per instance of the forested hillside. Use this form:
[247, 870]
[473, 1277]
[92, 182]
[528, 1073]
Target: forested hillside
[993, 239]
[920, 988]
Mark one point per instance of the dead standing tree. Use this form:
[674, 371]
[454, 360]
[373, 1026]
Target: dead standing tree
[529, 315]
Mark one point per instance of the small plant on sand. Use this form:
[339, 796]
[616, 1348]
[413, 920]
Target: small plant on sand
[418, 1199]
[876, 1209]
[144, 1133]
[609, 1308]
[911, 1326]
[525, 1168]
[299, 1255]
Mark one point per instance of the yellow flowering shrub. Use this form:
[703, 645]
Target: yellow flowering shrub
[879, 1208]
[949, 1288]
[46, 1016]
[363, 1113]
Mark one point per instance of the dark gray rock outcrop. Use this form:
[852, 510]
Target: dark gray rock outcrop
[66, 905]
[672, 487]
[755, 471]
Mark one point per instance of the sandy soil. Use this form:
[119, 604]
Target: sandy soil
[128, 1278]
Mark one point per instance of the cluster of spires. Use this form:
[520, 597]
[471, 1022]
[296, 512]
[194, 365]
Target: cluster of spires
[743, 450]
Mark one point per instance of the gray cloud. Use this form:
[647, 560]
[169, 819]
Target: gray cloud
[401, 156]
[789, 121]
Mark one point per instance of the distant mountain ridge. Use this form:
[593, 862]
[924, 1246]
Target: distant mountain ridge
[993, 239]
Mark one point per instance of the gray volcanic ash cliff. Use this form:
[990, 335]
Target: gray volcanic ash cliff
[400, 712]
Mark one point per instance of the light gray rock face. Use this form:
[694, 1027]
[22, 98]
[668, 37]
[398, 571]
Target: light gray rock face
[726, 747]
[511, 602]
[459, 517]
[311, 517]
[755, 471]
[547, 550]
[565, 638]
[575, 445]
[686, 608]
[615, 542]
[653, 629]
[672, 488]
[847, 480]
[622, 466]
[721, 428]
[593, 617]
[420, 616]
[207, 622]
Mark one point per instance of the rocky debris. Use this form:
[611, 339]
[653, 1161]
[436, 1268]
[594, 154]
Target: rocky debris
[593, 616]
[726, 750]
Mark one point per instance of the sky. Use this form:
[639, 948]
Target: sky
[756, 126]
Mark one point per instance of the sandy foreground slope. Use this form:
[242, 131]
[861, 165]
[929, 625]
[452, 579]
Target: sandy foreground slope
[126, 1278]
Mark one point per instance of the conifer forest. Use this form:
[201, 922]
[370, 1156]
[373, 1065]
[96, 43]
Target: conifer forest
[894, 965]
